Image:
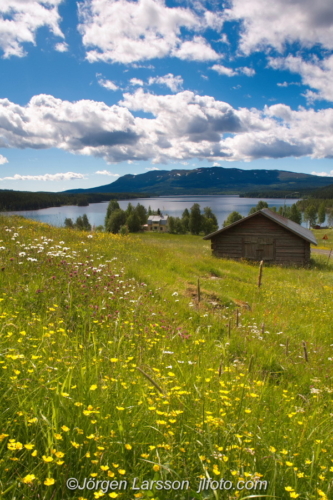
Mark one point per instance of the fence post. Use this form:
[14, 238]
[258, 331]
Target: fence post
[305, 351]
[260, 273]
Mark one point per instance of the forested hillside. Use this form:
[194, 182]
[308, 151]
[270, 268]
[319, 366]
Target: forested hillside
[25, 200]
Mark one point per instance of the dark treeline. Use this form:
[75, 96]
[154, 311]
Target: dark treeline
[82, 223]
[303, 211]
[124, 221]
[269, 193]
[133, 219]
[324, 193]
[25, 200]
[316, 202]
[315, 206]
[193, 221]
[308, 196]
[290, 212]
[316, 211]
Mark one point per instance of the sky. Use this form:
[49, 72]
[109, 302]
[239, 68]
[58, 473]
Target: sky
[96, 89]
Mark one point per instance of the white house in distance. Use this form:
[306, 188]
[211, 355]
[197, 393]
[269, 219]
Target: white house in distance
[158, 223]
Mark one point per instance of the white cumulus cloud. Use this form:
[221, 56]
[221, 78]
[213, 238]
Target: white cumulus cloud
[3, 160]
[287, 84]
[136, 81]
[247, 71]
[317, 74]
[173, 82]
[68, 176]
[181, 127]
[197, 49]
[279, 22]
[323, 174]
[86, 127]
[125, 31]
[107, 84]
[20, 20]
[61, 47]
[106, 172]
[223, 70]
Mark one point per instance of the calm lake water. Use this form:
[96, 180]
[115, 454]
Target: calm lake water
[169, 205]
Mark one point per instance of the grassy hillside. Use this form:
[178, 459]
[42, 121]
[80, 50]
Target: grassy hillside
[112, 370]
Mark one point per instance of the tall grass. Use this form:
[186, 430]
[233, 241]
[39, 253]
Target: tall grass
[111, 370]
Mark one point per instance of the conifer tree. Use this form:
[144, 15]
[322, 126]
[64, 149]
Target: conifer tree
[321, 213]
[233, 217]
[195, 219]
[112, 206]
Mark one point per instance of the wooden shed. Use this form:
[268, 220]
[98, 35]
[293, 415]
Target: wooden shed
[264, 235]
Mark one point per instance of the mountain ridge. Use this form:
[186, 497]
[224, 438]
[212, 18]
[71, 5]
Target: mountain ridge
[209, 180]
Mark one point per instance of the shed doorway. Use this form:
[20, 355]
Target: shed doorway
[258, 248]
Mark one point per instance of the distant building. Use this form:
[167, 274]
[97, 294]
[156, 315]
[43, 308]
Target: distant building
[264, 235]
[158, 223]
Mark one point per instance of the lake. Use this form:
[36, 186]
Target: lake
[169, 205]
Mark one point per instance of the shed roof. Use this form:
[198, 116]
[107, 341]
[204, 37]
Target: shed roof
[291, 226]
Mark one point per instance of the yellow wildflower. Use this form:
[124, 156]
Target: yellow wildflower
[14, 445]
[29, 478]
[98, 494]
[49, 481]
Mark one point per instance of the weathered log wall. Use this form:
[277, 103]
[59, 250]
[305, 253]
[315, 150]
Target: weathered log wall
[270, 242]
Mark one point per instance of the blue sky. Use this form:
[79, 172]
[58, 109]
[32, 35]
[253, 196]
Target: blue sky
[95, 89]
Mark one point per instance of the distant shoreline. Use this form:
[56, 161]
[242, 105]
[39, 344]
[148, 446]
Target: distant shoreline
[17, 201]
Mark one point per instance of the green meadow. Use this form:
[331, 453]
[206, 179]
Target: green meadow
[141, 367]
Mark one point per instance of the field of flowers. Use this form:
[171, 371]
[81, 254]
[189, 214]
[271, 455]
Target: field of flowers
[117, 382]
